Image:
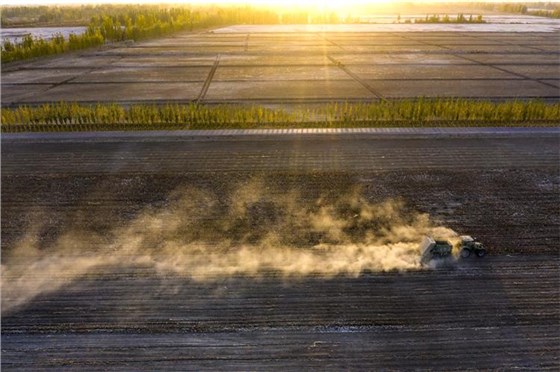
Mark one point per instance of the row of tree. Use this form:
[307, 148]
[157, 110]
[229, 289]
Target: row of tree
[34, 16]
[112, 23]
[436, 18]
[540, 9]
[545, 13]
[31, 47]
[127, 22]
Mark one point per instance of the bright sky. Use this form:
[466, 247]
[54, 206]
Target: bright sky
[315, 4]
[255, 2]
[260, 2]
[322, 5]
[328, 3]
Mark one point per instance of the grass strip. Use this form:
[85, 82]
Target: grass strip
[66, 116]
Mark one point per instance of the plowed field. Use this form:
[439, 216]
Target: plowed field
[499, 312]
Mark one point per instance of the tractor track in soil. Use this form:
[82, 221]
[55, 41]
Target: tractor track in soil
[491, 313]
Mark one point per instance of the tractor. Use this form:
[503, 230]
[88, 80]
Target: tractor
[439, 249]
[470, 245]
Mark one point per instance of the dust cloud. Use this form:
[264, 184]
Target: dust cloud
[250, 231]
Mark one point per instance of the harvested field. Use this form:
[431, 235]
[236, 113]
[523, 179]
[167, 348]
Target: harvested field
[284, 248]
[144, 309]
[140, 321]
[250, 64]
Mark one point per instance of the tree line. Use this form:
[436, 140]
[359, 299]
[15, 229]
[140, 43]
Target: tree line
[65, 116]
[540, 9]
[114, 23]
[461, 18]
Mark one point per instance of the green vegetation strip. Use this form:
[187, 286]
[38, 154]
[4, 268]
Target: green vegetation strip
[61, 117]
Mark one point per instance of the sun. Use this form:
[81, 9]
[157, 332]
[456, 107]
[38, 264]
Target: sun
[332, 4]
[311, 6]
[317, 5]
[308, 4]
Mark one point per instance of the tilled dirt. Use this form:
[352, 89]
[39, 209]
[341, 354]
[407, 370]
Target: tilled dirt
[496, 312]
[500, 312]
[502, 190]
[249, 65]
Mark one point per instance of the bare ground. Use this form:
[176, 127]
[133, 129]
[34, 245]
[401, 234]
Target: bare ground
[500, 312]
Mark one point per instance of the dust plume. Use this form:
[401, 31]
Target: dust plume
[248, 231]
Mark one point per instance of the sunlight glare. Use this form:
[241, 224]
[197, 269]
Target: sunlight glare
[319, 5]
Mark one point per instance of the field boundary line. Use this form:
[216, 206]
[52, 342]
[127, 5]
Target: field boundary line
[485, 64]
[323, 37]
[208, 80]
[284, 101]
[246, 45]
[67, 81]
[355, 77]
[221, 133]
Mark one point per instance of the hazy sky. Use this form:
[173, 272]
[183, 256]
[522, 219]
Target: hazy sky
[334, 3]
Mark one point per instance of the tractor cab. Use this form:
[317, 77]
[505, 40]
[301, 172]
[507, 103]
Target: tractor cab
[469, 245]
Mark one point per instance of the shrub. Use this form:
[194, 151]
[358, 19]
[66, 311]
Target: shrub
[405, 113]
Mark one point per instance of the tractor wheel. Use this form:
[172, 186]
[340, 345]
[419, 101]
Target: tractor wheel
[481, 252]
[465, 252]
